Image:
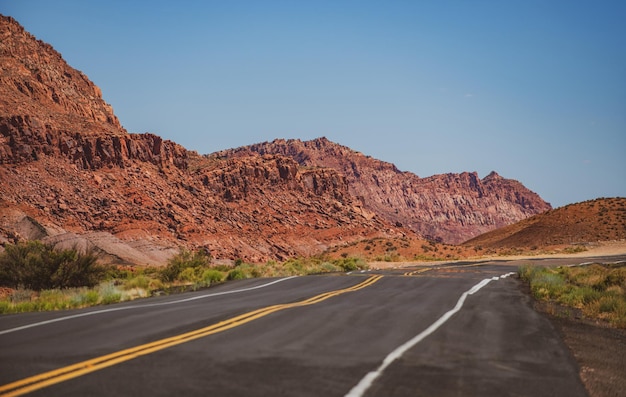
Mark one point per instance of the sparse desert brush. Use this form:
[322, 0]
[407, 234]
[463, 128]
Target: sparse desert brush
[137, 282]
[183, 261]
[109, 293]
[575, 249]
[236, 274]
[22, 300]
[211, 276]
[599, 291]
[38, 266]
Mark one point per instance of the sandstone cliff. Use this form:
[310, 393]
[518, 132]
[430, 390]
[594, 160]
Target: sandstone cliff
[70, 173]
[49, 108]
[450, 208]
[68, 166]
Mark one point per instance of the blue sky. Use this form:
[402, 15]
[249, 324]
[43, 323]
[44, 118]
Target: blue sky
[534, 89]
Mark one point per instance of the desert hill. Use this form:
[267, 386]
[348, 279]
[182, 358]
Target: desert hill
[70, 174]
[602, 219]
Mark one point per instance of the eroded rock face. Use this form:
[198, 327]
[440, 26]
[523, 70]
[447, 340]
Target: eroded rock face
[48, 108]
[36, 78]
[66, 164]
[450, 207]
[25, 139]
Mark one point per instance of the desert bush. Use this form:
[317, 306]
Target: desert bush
[38, 266]
[236, 274]
[140, 281]
[575, 249]
[211, 276]
[597, 290]
[579, 297]
[548, 285]
[351, 264]
[294, 267]
[185, 259]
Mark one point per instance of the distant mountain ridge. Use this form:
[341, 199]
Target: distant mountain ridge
[450, 207]
[70, 173]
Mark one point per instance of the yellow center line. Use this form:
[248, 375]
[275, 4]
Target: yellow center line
[425, 269]
[59, 375]
[414, 272]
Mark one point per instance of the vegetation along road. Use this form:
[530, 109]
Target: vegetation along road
[442, 330]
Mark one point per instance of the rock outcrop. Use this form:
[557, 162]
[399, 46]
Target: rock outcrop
[48, 108]
[70, 173]
[450, 208]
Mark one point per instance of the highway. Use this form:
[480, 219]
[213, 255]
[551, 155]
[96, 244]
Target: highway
[445, 330]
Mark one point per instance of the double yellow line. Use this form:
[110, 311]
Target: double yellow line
[425, 269]
[50, 378]
[416, 272]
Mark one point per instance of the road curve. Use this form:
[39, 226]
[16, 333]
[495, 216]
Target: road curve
[494, 344]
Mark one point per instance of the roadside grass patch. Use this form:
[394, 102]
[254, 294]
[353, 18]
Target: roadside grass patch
[574, 249]
[598, 291]
[184, 271]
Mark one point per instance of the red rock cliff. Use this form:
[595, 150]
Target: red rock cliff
[66, 162]
[50, 108]
[450, 207]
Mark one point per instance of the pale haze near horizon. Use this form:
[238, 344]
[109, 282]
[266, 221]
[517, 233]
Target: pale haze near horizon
[534, 90]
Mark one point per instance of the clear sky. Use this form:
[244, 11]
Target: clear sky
[533, 89]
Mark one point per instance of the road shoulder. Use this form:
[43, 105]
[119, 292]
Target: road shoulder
[599, 350]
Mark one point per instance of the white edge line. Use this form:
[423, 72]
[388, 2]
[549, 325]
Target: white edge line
[114, 309]
[368, 380]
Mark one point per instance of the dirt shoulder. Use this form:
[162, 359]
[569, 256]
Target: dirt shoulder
[599, 350]
[598, 249]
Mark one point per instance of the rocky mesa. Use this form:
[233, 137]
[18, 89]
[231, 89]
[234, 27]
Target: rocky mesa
[71, 174]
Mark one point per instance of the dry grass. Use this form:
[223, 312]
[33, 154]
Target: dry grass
[597, 291]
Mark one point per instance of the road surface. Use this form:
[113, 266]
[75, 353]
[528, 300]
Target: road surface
[442, 330]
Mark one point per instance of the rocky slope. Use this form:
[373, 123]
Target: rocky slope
[49, 108]
[602, 219]
[70, 174]
[450, 207]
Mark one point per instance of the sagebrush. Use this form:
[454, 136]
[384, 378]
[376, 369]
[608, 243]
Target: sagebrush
[38, 266]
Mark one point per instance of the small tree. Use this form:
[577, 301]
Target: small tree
[38, 266]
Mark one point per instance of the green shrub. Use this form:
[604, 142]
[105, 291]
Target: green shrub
[579, 296]
[38, 266]
[351, 264]
[327, 267]
[548, 285]
[185, 259]
[294, 267]
[189, 274]
[236, 274]
[211, 276]
[137, 282]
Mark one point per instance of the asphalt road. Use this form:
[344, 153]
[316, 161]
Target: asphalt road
[399, 335]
